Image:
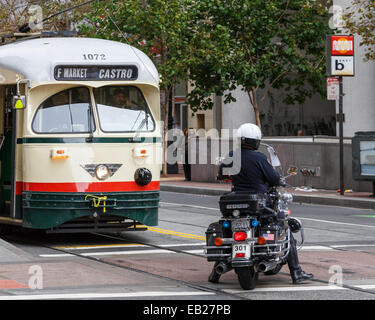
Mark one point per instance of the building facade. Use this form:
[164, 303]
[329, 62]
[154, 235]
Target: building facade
[317, 116]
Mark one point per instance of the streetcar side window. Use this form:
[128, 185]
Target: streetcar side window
[123, 109]
[65, 112]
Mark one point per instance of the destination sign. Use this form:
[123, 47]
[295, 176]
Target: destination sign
[96, 73]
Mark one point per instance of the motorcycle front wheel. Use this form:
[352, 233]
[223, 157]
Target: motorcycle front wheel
[247, 277]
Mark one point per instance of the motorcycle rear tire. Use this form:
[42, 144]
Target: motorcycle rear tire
[247, 277]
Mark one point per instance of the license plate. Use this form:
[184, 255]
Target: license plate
[241, 251]
[240, 224]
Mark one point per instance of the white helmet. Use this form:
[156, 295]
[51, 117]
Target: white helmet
[250, 135]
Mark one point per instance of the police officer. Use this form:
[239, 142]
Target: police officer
[256, 175]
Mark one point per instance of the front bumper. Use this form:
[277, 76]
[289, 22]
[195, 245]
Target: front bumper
[45, 210]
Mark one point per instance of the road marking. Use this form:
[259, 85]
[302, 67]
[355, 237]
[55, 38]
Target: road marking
[365, 215]
[104, 295]
[287, 289]
[314, 248]
[100, 246]
[352, 245]
[176, 233]
[189, 205]
[126, 246]
[305, 288]
[11, 284]
[317, 220]
[366, 286]
[109, 253]
[158, 251]
[57, 255]
[335, 222]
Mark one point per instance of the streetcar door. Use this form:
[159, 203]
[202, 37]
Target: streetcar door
[7, 166]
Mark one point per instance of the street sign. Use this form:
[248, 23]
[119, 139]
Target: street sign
[333, 89]
[342, 45]
[340, 62]
[95, 73]
[342, 66]
[340, 55]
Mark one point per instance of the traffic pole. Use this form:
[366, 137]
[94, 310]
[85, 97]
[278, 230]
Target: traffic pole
[341, 134]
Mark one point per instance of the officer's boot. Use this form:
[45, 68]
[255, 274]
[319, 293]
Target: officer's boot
[297, 274]
[214, 276]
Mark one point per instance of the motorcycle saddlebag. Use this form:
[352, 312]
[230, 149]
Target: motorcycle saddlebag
[247, 203]
[213, 231]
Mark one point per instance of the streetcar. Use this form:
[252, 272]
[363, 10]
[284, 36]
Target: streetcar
[80, 138]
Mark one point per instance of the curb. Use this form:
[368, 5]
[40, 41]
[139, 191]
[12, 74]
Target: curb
[10, 253]
[333, 201]
[298, 198]
[193, 190]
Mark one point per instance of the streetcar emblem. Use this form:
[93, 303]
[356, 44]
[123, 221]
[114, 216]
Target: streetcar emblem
[91, 168]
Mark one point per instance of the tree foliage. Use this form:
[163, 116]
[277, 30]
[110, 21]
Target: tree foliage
[157, 27]
[360, 19]
[259, 45]
[15, 13]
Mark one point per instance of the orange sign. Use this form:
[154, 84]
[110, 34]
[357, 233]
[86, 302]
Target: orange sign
[342, 45]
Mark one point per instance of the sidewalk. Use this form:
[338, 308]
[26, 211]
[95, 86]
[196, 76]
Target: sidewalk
[363, 200]
[11, 254]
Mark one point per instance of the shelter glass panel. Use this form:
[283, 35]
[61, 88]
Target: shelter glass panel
[123, 109]
[65, 112]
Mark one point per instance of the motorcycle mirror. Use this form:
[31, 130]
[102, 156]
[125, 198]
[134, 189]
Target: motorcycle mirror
[293, 170]
[275, 161]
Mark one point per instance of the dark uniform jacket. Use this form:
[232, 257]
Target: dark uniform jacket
[255, 173]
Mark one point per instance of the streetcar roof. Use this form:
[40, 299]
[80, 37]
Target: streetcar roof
[36, 59]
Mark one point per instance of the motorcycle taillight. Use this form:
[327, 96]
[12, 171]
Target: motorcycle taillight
[240, 236]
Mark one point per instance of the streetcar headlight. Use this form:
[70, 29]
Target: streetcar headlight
[102, 172]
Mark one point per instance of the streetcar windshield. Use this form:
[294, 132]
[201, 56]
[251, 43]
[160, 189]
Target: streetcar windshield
[122, 109]
[65, 112]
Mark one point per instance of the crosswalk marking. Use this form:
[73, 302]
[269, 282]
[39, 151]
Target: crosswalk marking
[104, 295]
[110, 253]
[124, 246]
[150, 250]
[303, 288]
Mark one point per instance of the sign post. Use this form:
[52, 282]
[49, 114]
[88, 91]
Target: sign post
[340, 62]
[341, 134]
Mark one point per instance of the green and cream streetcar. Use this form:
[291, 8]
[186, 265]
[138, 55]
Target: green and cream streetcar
[80, 136]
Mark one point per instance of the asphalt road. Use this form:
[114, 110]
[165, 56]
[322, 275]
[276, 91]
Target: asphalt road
[166, 262]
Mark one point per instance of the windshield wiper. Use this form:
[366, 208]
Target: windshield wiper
[136, 121]
[91, 131]
[142, 124]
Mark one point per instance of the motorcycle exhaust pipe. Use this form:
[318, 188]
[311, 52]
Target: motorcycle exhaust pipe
[266, 266]
[222, 268]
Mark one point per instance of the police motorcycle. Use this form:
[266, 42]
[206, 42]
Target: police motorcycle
[253, 234]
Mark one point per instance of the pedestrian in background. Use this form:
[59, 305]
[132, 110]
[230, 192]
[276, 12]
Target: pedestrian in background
[187, 165]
